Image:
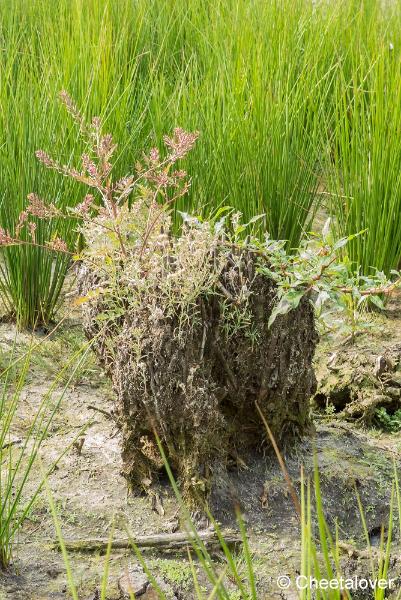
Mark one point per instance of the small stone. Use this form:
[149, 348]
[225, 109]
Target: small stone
[150, 594]
[133, 582]
[381, 366]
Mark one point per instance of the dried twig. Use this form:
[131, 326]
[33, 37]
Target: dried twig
[162, 541]
[102, 411]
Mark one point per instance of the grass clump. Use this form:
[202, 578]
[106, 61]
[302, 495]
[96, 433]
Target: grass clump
[180, 322]
[363, 167]
[292, 106]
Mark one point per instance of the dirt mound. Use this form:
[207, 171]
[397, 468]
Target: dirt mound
[195, 376]
[362, 380]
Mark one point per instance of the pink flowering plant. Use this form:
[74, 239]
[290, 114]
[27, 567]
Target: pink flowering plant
[154, 180]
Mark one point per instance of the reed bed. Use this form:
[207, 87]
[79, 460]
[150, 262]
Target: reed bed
[296, 102]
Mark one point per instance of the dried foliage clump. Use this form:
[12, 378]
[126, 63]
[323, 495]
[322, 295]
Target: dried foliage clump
[182, 329]
[181, 322]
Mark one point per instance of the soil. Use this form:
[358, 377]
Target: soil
[360, 376]
[92, 499]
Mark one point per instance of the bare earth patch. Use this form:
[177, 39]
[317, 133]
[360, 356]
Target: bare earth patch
[90, 494]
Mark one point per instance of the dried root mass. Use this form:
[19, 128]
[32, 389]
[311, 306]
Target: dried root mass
[181, 325]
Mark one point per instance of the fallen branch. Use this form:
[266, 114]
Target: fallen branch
[368, 553]
[102, 411]
[162, 541]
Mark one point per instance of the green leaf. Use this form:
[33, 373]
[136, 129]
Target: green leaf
[340, 244]
[377, 301]
[288, 302]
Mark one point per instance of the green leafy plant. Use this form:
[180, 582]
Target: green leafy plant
[123, 218]
[388, 422]
[339, 293]
[324, 76]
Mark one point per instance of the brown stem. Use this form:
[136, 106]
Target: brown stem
[281, 462]
[387, 289]
[317, 277]
[18, 242]
[110, 203]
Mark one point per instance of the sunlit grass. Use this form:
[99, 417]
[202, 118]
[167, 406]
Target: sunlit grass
[289, 97]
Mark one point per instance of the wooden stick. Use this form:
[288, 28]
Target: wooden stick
[106, 413]
[161, 541]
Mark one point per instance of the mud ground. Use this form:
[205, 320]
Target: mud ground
[91, 496]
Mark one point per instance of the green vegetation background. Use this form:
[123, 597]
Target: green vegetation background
[298, 103]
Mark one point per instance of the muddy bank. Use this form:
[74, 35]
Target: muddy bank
[360, 380]
[90, 494]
